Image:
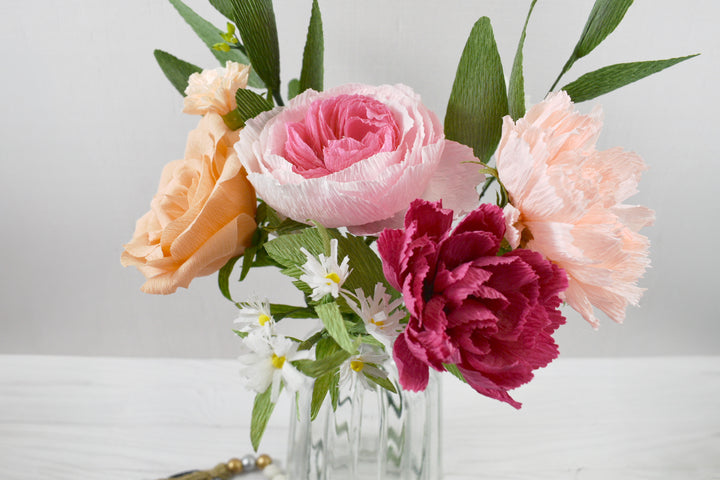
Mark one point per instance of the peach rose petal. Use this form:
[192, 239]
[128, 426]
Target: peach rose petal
[202, 215]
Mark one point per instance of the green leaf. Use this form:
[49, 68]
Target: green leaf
[224, 277]
[247, 263]
[478, 100]
[382, 382]
[293, 88]
[605, 16]
[308, 343]
[211, 35]
[452, 368]
[320, 391]
[289, 225]
[612, 77]
[286, 250]
[176, 70]
[311, 75]
[255, 20]
[280, 311]
[250, 104]
[516, 84]
[329, 314]
[262, 409]
[365, 265]
[224, 7]
[316, 368]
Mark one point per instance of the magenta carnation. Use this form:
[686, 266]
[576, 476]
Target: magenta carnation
[493, 316]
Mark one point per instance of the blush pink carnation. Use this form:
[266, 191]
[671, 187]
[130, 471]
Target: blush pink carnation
[355, 156]
[493, 316]
[566, 203]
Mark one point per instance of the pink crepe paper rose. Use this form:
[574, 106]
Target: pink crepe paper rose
[355, 156]
[566, 203]
[202, 215]
[493, 316]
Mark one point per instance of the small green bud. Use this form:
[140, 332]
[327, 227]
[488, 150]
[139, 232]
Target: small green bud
[223, 47]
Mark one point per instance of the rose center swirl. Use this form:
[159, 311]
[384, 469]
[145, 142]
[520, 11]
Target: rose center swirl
[339, 132]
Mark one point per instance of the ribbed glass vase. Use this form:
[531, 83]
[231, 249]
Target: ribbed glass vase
[373, 435]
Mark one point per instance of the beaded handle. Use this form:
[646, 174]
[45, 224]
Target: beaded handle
[233, 467]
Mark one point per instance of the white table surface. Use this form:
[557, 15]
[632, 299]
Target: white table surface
[127, 418]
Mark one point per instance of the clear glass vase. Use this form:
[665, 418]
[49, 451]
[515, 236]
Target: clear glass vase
[373, 435]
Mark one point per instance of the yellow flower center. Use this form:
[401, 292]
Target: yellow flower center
[263, 319]
[379, 323]
[357, 365]
[278, 362]
[333, 276]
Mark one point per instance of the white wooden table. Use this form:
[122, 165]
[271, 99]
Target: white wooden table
[126, 419]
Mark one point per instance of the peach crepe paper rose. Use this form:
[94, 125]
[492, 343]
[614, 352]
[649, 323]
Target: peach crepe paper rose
[202, 215]
[213, 90]
[355, 156]
[566, 203]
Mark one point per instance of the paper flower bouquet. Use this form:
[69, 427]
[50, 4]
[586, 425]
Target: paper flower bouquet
[374, 207]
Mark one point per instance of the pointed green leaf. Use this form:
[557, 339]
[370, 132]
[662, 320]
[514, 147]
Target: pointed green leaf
[478, 100]
[320, 391]
[316, 368]
[224, 277]
[250, 104]
[211, 35]
[262, 409]
[176, 70]
[612, 77]
[452, 368]
[293, 88]
[280, 311]
[224, 7]
[329, 314]
[382, 382]
[255, 20]
[605, 16]
[516, 84]
[311, 75]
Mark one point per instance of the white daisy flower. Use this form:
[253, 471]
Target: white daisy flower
[268, 363]
[324, 275]
[366, 362]
[381, 315]
[255, 314]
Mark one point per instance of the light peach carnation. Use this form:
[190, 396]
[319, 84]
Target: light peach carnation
[213, 90]
[202, 215]
[567, 199]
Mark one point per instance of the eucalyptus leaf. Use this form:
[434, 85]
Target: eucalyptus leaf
[604, 17]
[478, 100]
[262, 410]
[516, 84]
[176, 70]
[211, 35]
[255, 20]
[250, 104]
[329, 314]
[311, 75]
[224, 277]
[612, 77]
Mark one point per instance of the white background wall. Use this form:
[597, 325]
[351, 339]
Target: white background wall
[89, 121]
